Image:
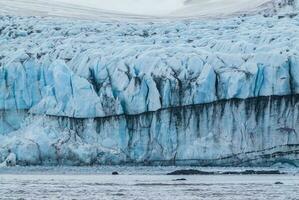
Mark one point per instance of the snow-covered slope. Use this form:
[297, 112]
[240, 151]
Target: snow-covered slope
[135, 9]
[218, 7]
[140, 7]
[211, 92]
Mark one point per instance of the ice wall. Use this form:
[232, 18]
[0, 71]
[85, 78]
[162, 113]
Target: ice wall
[214, 92]
[257, 131]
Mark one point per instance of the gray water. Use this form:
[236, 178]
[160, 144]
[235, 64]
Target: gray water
[64, 183]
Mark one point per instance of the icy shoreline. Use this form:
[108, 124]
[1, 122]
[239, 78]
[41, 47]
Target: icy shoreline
[136, 170]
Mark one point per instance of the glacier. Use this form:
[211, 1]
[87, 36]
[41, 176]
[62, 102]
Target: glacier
[212, 92]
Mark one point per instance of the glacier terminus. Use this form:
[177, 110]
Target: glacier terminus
[218, 91]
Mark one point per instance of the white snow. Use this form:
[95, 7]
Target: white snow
[218, 7]
[129, 8]
[140, 7]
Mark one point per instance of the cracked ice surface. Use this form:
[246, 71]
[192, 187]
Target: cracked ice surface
[177, 92]
[47, 65]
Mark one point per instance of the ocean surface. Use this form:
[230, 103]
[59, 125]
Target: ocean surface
[139, 183]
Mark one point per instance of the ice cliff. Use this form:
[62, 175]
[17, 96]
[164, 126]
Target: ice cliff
[204, 92]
